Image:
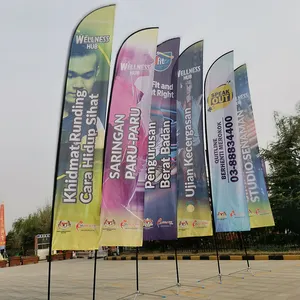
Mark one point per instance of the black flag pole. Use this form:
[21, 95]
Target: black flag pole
[212, 209]
[137, 293]
[184, 63]
[209, 184]
[54, 194]
[50, 257]
[241, 235]
[176, 264]
[60, 134]
[245, 248]
[248, 270]
[215, 237]
[178, 284]
[95, 274]
[209, 180]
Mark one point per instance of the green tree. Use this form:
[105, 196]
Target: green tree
[283, 156]
[21, 238]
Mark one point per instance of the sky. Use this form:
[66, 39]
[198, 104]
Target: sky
[34, 45]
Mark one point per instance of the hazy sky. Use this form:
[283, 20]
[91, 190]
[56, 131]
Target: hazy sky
[34, 45]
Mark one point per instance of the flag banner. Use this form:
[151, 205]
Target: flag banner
[76, 222]
[160, 206]
[126, 147]
[2, 228]
[193, 210]
[223, 144]
[260, 211]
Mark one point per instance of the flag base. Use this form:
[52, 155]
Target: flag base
[138, 294]
[248, 270]
[178, 286]
[220, 276]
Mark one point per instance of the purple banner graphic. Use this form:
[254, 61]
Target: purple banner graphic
[122, 210]
[160, 208]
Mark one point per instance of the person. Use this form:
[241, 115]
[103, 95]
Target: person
[84, 66]
[83, 69]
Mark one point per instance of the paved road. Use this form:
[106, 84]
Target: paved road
[72, 280]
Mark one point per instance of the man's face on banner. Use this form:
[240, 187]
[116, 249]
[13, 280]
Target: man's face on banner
[188, 87]
[81, 74]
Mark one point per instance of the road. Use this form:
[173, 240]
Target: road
[73, 279]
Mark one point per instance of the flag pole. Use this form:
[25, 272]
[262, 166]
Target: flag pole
[95, 274]
[209, 178]
[54, 194]
[178, 284]
[137, 293]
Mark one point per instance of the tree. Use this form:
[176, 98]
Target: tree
[21, 238]
[283, 156]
